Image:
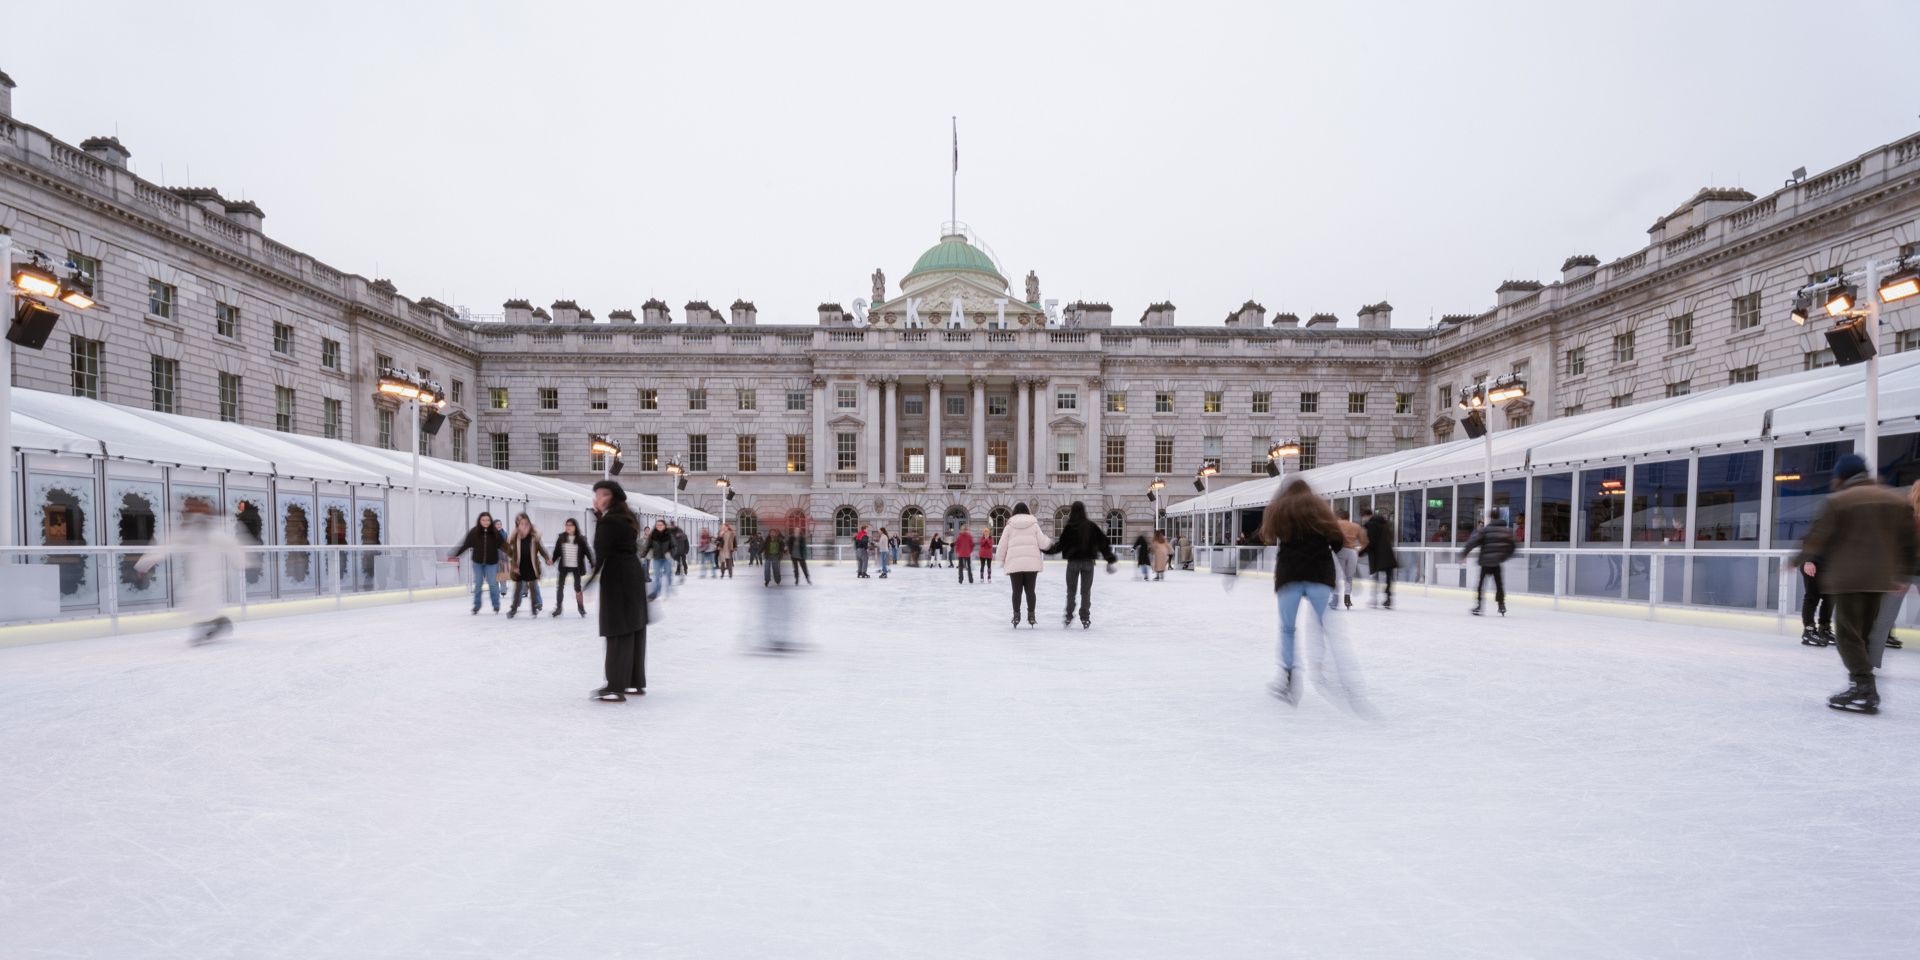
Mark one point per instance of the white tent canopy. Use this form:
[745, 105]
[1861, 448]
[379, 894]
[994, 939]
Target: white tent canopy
[1794, 405]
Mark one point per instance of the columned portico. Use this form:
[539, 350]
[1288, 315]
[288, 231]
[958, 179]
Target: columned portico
[1043, 444]
[936, 448]
[1094, 446]
[1022, 461]
[822, 446]
[872, 451]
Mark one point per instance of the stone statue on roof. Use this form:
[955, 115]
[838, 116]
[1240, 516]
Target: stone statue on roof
[1033, 287]
[879, 285]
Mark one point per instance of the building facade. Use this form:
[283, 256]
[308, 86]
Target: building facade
[942, 401]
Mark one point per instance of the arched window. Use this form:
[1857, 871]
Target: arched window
[797, 521]
[1116, 525]
[997, 519]
[1060, 519]
[846, 523]
[956, 519]
[913, 522]
[749, 524]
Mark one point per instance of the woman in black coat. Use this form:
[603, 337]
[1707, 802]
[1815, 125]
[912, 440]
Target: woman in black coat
[623, 593]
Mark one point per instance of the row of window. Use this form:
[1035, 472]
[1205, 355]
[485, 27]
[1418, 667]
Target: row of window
[748, 398]
[645, 455]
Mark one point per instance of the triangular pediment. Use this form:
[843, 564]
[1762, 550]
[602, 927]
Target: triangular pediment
[1065, 420]
[847, 420]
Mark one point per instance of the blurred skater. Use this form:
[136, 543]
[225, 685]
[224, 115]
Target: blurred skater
[207, 552]
[679, 548]
[1022, 546]
[659, 553]
[862, 546]
[1307, 535]
[1143, 557]
[1381, 561]
[1347, 561]
[1494, 540]
[524, 553]
[572, 558]
[770, 571]
[883, 549]
[707, 567]
[1860, 548]
[623, 595]
[985, 549]
[489, 545]
[1816, 612]
[1081, 542]
[797, 549]
[1162, 553]
[963, 551]
[727, 543]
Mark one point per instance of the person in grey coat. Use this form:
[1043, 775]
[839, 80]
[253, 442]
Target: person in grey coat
[1494, 540]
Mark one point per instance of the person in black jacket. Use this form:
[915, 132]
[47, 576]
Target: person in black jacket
[658, 549]
[1080, 541]
[1381, 561]
[623, 595]
[488, 546]
[680, 548]
[1494, 540]
[1307, 535]
[572, 557]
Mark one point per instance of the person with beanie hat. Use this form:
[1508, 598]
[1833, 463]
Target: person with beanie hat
[1861, 547]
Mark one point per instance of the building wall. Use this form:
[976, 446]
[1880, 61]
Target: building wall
[55, 197]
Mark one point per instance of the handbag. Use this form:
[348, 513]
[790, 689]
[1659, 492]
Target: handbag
[504, 574]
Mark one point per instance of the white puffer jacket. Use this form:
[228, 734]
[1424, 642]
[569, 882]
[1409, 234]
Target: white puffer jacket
[1018, 549]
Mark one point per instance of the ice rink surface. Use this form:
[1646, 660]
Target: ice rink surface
[924, 781]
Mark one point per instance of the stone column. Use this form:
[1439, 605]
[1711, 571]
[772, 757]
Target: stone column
[823, 446]
[936, 448]
[1094, 450]
[872, 451]
[1043, 436]
[1022, 461]
[891, 404]
[977, 451]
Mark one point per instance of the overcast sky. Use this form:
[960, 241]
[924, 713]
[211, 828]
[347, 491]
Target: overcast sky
[1315, 157]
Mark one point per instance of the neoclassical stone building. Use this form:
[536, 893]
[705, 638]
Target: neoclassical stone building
[951, 396]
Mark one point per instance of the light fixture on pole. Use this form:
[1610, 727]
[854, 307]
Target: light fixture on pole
[1277, 454]
[679, 475]
[30, 324]
[608, 451]
[1479, 401]
[1208, 470]
[1900, 284]
[1154, 490]
[398, 384]
[1855, 338]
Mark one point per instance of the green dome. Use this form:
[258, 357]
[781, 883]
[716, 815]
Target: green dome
[954, 253]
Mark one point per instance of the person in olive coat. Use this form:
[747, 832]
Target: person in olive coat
[623, 593]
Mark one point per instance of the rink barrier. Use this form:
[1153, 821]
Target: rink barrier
[68, 592]
[1746, 589]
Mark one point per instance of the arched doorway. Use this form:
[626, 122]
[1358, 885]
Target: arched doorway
[846, 523]
[997, 520]
[956, 519]
[913, 522]
[1116, 525]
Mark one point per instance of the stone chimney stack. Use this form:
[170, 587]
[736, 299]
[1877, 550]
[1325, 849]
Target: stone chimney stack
[246, 213]
[831, 315]
[1515, 290]
[622, 315]
[566, 311]
[6, 95]
[1322, 321]
[744, 313]
[1250, 314]
[107, 150]
[655, 312]
[1081, 313]
[206, 198]
[1577, 266]
[701, 313]
[1286, 320]
[518, 311]
[1158, 315]
[1376, 316]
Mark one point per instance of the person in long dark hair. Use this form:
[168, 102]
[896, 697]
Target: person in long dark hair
[488, 546]
[1308, 536]
[524, 553]
[572, 557]
[623, 594]
[1081, 541]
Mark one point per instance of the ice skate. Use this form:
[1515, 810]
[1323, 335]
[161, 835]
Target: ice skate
[635, 692]
[609, 695]
[1502, 605]
[1476, 610]
[1086, 624]
[556, 610]
[1859, 697]
[1016, 621]
[1283, 688]
[1812, 638]
[1067, 621]
[1893, 642]
[1032, 621]
[1347, 598]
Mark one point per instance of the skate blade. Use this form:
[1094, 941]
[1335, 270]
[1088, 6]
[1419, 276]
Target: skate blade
[1854, 708]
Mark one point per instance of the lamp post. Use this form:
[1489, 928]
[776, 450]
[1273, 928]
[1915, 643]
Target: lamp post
[609, 453]
[1205, 476]
[678, 473]
[1859, 328]
[32, 282]
[1156, 495]
[1483, 399]
[401, 385]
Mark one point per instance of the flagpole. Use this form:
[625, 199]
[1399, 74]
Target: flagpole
[953, 182]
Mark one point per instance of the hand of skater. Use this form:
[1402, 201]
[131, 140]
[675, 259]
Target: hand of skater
[1808, 569]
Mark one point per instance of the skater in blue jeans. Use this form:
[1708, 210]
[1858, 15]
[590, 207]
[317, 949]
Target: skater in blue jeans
[657, 548]
[488, 546]
[1308, 536]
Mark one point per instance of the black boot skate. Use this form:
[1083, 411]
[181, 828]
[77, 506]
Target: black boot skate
[1812, 638]
[1859, 697]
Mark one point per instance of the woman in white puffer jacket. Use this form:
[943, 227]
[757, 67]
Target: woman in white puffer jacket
[1019, 550]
